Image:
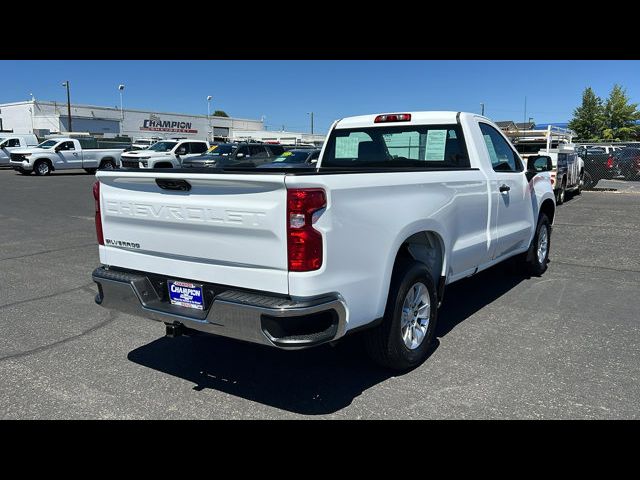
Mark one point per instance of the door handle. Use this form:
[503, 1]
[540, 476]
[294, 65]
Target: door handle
[504, 188]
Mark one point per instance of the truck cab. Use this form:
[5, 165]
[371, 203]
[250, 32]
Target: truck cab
[9, 143]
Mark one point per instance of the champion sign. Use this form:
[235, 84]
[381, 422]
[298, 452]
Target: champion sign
[154, 124]
[185, 294]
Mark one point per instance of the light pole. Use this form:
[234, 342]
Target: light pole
[482, 109]
[311, 113]
[67, 84]
[121, 88]
[209, 98]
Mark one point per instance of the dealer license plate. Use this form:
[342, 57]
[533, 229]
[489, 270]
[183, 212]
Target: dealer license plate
[185, 294]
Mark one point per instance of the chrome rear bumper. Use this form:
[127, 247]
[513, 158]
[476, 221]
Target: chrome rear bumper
[255, 317]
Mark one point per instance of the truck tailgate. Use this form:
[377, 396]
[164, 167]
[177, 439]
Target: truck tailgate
[228, 228]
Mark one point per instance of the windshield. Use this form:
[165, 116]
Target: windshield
[407, 146]
[144, 142]
[221, 150]
[162, 146]
[48, 144]
[292, 157]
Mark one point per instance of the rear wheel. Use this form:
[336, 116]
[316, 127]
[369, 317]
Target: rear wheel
[108, 165]
[561, 192]
[578, 190]
[403, 338]
[588, 180]
[42, 167]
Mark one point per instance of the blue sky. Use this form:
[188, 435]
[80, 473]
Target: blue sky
[284, 91]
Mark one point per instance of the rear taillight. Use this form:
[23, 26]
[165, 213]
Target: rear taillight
[96, 197]
[304, 243]
[610, 162]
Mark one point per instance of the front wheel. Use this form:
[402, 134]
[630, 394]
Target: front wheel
[403, 338]
[537, 257]
[42, 167]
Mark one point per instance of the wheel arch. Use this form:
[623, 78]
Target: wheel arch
[163, 165]
[426, 244]
[44, 159]
[108, 158]
[549, 209]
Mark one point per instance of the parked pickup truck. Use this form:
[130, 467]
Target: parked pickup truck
[568, 171]
[65, 153]
[11, 142]
[164, 154]
[400, 206]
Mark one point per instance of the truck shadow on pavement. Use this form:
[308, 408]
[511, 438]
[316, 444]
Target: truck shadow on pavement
[317, 381]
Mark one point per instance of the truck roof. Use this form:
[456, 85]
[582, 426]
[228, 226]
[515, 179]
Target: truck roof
[417, 118]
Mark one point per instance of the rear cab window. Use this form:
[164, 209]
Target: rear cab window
[398, 146]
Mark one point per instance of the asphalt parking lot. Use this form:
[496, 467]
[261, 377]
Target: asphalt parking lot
[558, 347]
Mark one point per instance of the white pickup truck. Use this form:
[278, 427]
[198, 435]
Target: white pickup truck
[11, 142]
[400, 206]
[65, 153]
[164, 154]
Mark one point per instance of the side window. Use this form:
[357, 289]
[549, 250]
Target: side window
[183, 146]
[503, 158]
[197, 147]
[244, 150]
[276, 150]
[14, 142]
[258, 151]
[67, 146]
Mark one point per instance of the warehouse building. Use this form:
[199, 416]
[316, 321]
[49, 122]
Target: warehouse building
[281, 136]
[43, 118]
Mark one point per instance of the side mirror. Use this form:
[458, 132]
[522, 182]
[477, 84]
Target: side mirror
[539, 163]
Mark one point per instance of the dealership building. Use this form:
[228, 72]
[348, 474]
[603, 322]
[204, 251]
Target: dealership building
[44, 118]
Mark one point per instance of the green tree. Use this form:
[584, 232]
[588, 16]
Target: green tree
[620, 116]
[220, 113]
[588, 118]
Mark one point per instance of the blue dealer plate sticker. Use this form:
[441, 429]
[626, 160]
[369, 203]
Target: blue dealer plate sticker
[185, 294]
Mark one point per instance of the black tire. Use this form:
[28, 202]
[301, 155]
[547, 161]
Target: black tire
[108, 165]
[561, 193]
[590, 181]
[90, 171]
[42, 167]
[578, 191]
[384, 343]
[532, 264]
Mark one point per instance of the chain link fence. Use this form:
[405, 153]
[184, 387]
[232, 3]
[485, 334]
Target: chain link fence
[609, 161]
